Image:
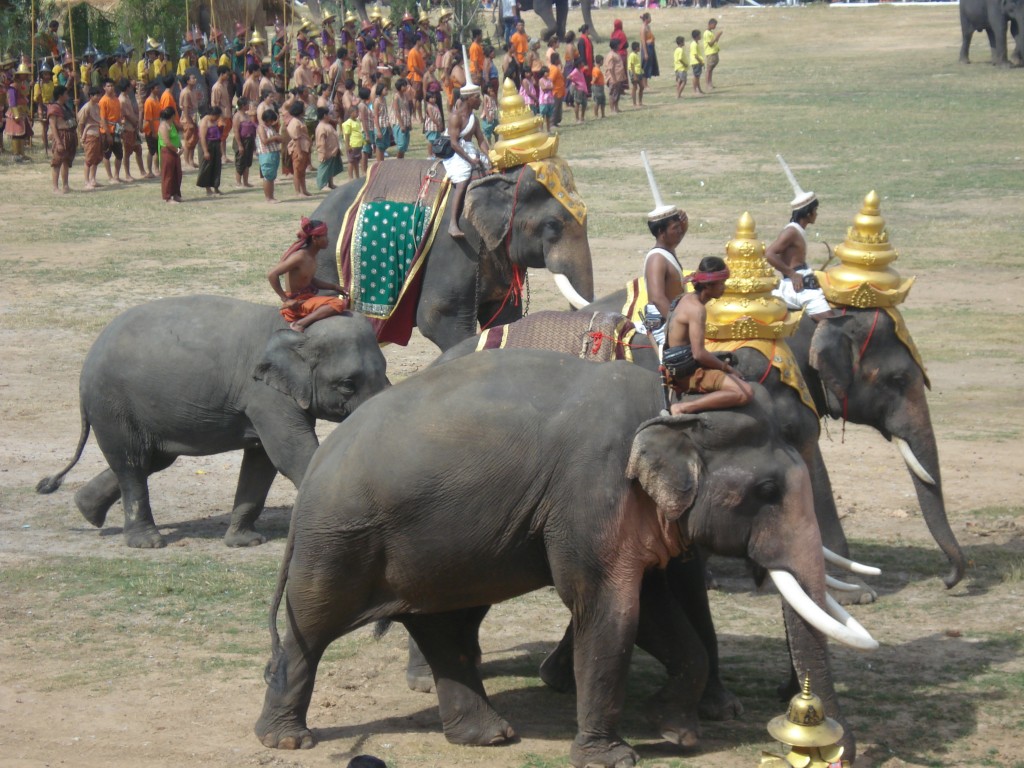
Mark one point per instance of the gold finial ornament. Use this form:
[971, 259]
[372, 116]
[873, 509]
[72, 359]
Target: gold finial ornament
[522, 138]
[376, 14]
[747, 309]
[810, 735]
[864, 277]
[257, 38]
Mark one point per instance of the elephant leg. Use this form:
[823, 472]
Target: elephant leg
[466, 714]
[254, 480]
[418, 675]
[95, 498]
[556, 671]
[602, 647]
[561, 17]
[140, 531]
[686, 585]
[543, 10]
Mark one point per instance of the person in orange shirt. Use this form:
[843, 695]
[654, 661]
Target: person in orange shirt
[151, 125]
[416, 64]
[519, 44]
[558, 87]
[477, 59]
[597, 86]
[111, 130]
[167, 99]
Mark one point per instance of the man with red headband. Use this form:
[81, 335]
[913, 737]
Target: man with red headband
[691, 368]
[301, 303]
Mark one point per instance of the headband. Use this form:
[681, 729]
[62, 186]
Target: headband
[308, 229]
[708, 277]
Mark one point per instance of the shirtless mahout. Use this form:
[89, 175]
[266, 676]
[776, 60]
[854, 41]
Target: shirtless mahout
[301, 303]
[691, 367]
[663, 274]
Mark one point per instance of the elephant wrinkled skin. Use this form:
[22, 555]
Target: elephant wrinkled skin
[201, 375]
[466, 282]
[588, 504]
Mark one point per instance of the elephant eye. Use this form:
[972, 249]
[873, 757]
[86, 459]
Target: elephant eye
[768, 491]
[898, 380]
[346, 387]
[552, 228]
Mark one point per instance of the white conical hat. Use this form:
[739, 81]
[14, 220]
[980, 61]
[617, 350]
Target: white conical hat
[800, 198]
[661, 210]
[470, 88]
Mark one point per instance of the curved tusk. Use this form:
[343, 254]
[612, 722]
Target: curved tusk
[912, 463]
[840, 614]
[566, 289]
[852, 567]
[809, 611]
[842, 586]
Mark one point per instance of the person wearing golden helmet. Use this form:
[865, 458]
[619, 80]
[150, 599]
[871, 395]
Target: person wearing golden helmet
[18, 125]
[663, 274]
[463, 129]
[788, 254]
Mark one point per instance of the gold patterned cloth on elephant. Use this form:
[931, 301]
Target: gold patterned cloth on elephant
[599, 338]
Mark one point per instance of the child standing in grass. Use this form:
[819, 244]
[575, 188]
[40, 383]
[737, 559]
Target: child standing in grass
[580, 93]
[528, 90]
[696, 60]
[546, 99]
[352, 136]
[636, 75]
[681, 64]
[597, 86]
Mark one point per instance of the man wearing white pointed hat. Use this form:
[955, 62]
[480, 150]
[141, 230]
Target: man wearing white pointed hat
[663, 274]
[463, 128]
[788, 254]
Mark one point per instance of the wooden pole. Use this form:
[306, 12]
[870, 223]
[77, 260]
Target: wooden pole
[74, 62]
[35, 74]
[287, 43]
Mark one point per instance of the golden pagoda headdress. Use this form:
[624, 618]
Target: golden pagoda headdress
[521, 135]
[800, 198]
[662, 211]
[864, 277]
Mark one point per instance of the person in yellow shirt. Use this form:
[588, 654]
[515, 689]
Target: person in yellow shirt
[42, 96]
[119, 69]
[635, 71]
[681, 65]
[711, 37]
[696, 60]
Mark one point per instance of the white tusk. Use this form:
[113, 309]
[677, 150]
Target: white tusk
[912, 463]
[840, 614]
[809, 611]
[842, 586]
[852, 567]
[569, 292]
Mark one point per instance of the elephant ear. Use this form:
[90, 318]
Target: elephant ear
[666, 462]
[285, 368]
[489, 209]
[833, 355]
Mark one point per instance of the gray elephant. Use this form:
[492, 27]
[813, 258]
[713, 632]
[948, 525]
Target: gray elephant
[992, 16]
[200, 375]
[589, 505]
[512, 222]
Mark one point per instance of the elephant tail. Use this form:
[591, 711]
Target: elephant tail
[52, 482]
[270, 674]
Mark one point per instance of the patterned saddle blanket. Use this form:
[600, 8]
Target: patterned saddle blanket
[385, 238]
[598, 336]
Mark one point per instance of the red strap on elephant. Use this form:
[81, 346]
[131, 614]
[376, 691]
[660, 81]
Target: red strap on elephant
[764, 376]
[515, 288]
[856, 364]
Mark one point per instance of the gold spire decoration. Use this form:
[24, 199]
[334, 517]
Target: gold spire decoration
[522, 138]
[864, 277]
[747, 309]
[809, 734]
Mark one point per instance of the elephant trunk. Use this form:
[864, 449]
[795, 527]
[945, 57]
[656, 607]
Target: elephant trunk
[574, 273]
[911, 425]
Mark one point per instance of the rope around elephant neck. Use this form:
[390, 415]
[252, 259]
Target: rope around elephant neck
[515, 288]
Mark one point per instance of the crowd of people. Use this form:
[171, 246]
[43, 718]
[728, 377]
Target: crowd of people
[351, 96]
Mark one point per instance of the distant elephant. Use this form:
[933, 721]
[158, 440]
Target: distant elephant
[992, 16]
[512, 223]
[201, 375]
[602, 490]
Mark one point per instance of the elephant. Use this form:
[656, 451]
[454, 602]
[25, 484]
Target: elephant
[200, 375]
[588, 505]
[512, 223]
[992, 16]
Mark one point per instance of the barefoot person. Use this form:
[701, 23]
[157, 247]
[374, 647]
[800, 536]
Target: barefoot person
[301, 306]
[691, 368]
[169, 143]
[463, 127]
[63, 138]
[210, 144]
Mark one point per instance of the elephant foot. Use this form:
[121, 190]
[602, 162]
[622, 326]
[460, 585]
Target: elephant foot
[143, 536]
[486, 730]
[243, 537]
[719, 703]
[672, 719]
[557, 671]
[93, 505]
[420, 680]
[861, 596]
[285, 737]
[602, 753]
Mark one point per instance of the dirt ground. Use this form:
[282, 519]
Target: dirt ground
[88, 682]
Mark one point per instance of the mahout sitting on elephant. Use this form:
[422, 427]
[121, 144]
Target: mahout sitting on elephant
[542, 470]
[200, 375]
[512, 220]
